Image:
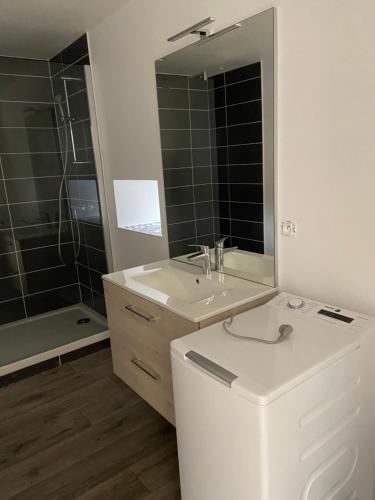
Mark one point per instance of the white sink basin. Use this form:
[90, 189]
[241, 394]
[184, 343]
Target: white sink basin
[181, 285]
[184, 290]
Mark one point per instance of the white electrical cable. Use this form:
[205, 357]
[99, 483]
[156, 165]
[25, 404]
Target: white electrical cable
[65, 166]
[63, 178]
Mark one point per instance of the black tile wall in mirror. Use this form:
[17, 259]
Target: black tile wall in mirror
[211, 138]
[33, 279]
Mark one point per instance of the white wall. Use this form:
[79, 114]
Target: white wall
[326, 134]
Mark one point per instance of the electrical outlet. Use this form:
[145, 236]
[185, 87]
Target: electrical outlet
[288, 227]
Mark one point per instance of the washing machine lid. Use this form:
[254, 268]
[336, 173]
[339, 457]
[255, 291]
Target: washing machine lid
[263, 372]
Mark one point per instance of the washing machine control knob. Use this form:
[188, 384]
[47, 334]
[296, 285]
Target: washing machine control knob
[295, 303]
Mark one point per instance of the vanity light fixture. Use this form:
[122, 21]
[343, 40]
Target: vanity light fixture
[207, 38]
[192, 30]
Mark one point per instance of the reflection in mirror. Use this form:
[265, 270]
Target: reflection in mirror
[84, 200]
[216, 114]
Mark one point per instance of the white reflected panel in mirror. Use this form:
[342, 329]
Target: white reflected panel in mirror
[138, 206]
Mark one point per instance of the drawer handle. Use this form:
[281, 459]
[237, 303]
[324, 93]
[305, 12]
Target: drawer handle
[141, 365]
[143, 316]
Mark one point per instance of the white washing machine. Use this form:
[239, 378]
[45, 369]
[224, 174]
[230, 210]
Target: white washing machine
[292, 420]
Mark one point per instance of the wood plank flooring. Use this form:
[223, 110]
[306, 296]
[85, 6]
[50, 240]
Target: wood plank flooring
[78, 432]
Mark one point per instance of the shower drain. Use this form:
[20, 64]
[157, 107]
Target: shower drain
[82, 321]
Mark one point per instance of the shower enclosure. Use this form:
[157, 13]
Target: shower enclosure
[54, 245]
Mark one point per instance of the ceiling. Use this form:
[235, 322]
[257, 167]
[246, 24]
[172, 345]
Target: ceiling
[42, 28]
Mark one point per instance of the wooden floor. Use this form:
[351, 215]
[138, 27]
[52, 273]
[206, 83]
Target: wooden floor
[78, 432]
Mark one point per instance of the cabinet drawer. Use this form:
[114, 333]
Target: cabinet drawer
[141, 333]
[131, 315]
[148, 373]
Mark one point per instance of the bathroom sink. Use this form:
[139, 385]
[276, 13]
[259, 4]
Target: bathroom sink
[181, 285]
[183, 289]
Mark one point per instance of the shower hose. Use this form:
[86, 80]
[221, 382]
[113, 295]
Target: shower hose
[63, 178]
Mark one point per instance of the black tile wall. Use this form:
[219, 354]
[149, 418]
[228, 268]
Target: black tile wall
[41, 235]
[238, 174]
[76, 54]
[43, 212]
[171, 98]
[82, 189]
[25, 88]
[37, 259]
[96, 281]
[28, 140]
[10, 288]
[38, 281]
[176, 158]
[248, 90]
[171, 82]
[6, 238]
[174, 118]
[243, 73]
[243, 113]
[201, 157]
[52, 299]
[236, 112]
[8, 266]
[181, 231]
[3, 198]
[30, 176]
[177, 196]
[202, 175]
[178, 177]
[181, 247]
[76, 51]
[11, 310]
[19, 66]
[243, 192]
[246, 211]
[248, 244]
[33, 279]
[87, 168]
[18, 166]
[246, 154]
[211, 137]
[185, 140]
[25, 114]
[32, 189]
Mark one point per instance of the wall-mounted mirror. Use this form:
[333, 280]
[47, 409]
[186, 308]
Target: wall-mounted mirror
[216, 113]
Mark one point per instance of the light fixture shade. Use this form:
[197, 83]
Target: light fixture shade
[218, 33]
[191, 29]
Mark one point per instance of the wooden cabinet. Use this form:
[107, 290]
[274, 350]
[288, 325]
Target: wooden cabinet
[141, 332]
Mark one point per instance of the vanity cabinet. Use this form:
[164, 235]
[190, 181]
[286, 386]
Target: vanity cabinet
[141, 332]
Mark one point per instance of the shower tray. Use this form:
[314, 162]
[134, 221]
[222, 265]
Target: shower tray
[39, 338]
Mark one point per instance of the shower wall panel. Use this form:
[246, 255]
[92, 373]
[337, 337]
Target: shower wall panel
[32, 277]
[82, 182]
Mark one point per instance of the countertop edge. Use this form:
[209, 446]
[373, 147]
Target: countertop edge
[198, 319]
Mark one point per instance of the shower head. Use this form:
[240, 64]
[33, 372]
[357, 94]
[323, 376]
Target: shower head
[58, 100]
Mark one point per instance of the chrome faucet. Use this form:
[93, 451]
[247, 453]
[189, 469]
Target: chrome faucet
[219, 254]
[204, 256]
